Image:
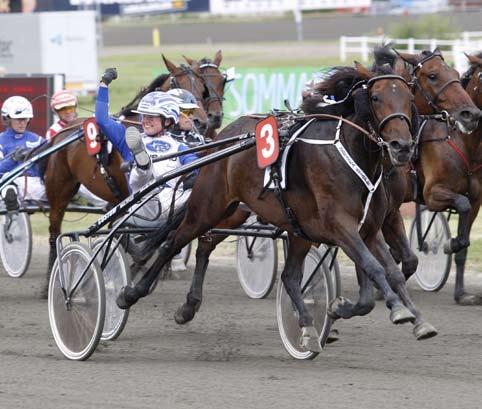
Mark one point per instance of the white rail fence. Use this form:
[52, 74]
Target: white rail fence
[468, 42]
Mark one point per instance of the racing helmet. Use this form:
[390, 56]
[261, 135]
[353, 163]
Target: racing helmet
[186, 100]
[17, 107]
[62, 99]
[159, 103]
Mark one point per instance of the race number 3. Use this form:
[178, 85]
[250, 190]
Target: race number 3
[267, 142]
[91, 131]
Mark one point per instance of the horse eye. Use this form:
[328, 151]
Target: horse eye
[432, 77]
[374, 98]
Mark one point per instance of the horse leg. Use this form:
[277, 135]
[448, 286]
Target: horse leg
[461, 297]
[352, 244]
[203, 213]
[396, 237]
[291, 277]
[206, 245]
[58, 200]
[366, 301]
[438, 199]
[422, 329]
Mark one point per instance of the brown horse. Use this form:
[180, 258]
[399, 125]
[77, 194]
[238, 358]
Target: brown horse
[185, 77]
[215, 82]
[72, 166]
[327, 198]
[443, 176]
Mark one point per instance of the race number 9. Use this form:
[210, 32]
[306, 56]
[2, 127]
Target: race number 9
[91, 132]
[267, 141]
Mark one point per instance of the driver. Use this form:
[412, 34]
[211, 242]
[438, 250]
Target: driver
[159, 112]
[185, 130]
[15, 142]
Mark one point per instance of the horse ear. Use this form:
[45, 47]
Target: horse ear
[190, 61]
[218, 57]
[169, 65]
[473, 59]
[399, 67]
[412, 59]
[362, 70]
[195, 66]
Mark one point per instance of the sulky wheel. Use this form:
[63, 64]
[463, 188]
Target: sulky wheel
[76, 317]
[433, 264]
[15, 243]
[317, 288]
[116, 275]
[257, 265]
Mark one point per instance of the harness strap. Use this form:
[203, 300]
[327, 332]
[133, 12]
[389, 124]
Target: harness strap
[290, 214]
[350, 162]
[462, 156]
[109, 180]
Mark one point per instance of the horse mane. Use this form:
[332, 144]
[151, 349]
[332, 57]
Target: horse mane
[338, 84]
[153, 86]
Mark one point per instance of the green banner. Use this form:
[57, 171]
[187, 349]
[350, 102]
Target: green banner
[258, 90]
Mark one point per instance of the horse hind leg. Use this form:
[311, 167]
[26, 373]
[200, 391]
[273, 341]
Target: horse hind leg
[200, 217]
[58, 202]
[206, 245]
[460, 295]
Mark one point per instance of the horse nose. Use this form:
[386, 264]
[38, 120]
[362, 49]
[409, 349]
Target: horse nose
[215, 119]
[401, 146]
[469, 117]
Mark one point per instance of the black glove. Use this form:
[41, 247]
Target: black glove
[110, 74]
[20, 154]
[188, 181]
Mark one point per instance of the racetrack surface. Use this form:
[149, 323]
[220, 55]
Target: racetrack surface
[231, 355]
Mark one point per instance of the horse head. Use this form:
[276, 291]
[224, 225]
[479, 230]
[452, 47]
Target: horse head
[383, 100]
[188, 77]
[214, 82]
[472, 79]
[437, 88]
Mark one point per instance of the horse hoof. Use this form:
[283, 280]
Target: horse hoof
[310, 339]
[401, 315]
[468, 299]
[184, 314]
[126, 298]
[333, 336]
[340, 307]
[424, 330]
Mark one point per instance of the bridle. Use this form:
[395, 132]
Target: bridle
[416, 86]
[375, 134]
[186, 70]
[212, 95]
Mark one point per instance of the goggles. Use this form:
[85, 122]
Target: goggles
[67, 110]
[187, 112]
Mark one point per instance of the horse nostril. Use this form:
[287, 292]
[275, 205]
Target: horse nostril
[395, 145]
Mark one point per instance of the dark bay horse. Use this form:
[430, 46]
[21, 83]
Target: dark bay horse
[448, 141]
[326, 196]
[72, 166]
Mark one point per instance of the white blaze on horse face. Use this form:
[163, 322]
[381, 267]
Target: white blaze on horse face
[394, 88]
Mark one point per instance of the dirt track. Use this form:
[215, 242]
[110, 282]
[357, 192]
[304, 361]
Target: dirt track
[231, 355]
